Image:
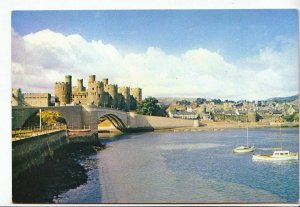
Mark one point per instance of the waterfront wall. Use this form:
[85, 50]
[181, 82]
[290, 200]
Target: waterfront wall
[31, 152]
[156, 122]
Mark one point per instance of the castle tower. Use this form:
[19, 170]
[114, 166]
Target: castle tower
[95, 89]
[136, 93]
[113, 92]
[68, 82]
[79, 94]
[60, 93]
[105, 81]
[80, 85]
[125, 91]
[92, 78]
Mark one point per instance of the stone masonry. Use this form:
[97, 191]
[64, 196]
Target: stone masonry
[98, 93]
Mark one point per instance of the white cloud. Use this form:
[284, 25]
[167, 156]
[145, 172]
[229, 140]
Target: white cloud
[43, 58]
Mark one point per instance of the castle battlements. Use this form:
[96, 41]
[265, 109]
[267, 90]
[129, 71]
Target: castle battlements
[60, 83]
[98, 93]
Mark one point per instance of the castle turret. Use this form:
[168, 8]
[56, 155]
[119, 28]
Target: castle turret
[79, 94]
[136, 93]
[80, 85]
[113, 92]
[105, 81]
[68, 82]
[125, 91]
[94, 90]
[60, 92]
[92, 78]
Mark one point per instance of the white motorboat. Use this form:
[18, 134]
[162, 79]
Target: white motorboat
[278, 155]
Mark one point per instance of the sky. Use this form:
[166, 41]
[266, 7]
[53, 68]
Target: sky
[226, 54]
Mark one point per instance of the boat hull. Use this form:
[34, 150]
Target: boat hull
[274, 158]
[243, 149]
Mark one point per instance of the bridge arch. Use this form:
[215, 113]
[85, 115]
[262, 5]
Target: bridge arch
[114, 120]
[93, 115]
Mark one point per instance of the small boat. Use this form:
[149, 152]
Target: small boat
[278, 155]
[243, 148]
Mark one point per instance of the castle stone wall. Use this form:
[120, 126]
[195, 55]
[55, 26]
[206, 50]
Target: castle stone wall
[37, 99]
[136, 93]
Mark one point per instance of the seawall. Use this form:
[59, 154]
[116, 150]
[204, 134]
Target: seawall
[33, 151]
[39, 175]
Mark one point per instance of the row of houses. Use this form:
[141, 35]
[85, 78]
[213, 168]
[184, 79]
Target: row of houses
[233, 111]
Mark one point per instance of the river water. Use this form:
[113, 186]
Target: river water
[190, 167]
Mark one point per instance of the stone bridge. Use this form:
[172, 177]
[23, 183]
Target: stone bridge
[79, 117]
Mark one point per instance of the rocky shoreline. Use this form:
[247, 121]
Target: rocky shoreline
[58, 174]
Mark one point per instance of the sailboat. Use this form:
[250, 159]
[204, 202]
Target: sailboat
[243, 148]
[278, 155]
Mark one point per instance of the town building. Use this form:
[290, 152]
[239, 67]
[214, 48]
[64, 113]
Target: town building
[183, 114]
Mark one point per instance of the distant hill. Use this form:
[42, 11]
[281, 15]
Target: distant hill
[294, 98]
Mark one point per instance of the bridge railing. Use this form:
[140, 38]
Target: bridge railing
[27, 132]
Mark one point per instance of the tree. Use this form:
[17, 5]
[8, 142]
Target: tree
[217, 101]
[150, 106]
[51, 117]
[133, 103]
[48, 118]
[292, 117]
[121, 103]
[200, 101]
[183, 102]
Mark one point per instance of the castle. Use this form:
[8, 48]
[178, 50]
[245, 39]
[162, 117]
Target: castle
[29, 99]
[98, 93]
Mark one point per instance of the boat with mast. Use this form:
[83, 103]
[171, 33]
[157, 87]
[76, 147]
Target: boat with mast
[244, 148]
[278, 155]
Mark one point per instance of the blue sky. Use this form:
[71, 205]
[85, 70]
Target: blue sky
[174, 31]
[240, 37]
